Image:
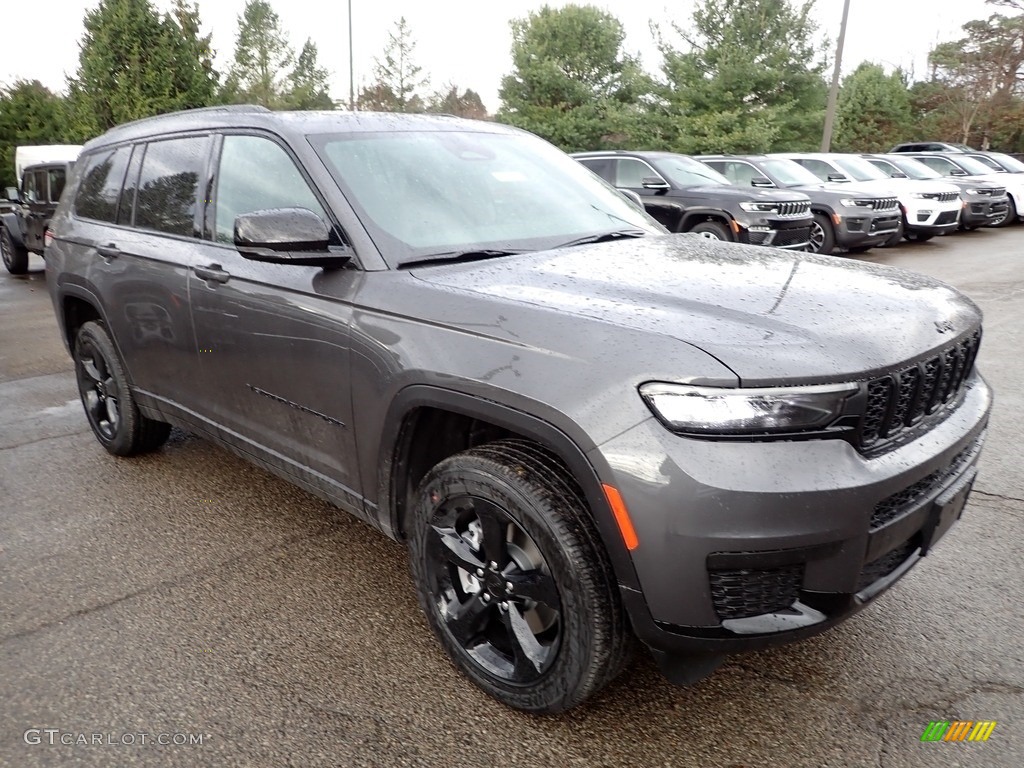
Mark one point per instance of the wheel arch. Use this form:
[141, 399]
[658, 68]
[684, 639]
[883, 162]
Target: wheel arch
[12, 224]
[455, 421]
[694, 216]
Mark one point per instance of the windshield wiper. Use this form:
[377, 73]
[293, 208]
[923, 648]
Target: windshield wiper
[452, 256]
[605, 237]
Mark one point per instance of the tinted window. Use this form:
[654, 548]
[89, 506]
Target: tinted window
[101, 185]
[939, 164]
[632, 172]
[817, 167]
[57, 178]
[169, 184]
[256, 173]
[602, 166]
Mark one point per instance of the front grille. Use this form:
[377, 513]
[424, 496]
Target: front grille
[994, 192]
[745, 592]
[947, 217]
[942, 197]
[886, 564]
[893, 506]
[798, 236]
[901, 399]
[885, 203]
[794, 208]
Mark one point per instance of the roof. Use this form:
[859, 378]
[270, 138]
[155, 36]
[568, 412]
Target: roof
[294, 124]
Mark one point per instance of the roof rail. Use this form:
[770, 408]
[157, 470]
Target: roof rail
[199, 111]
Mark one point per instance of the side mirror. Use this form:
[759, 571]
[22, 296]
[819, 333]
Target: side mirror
[12, 195]
[898, 175]
[838, 177]
[958, 172]
[286, 236]
[653, 182]
[761, 181]
[633, 198]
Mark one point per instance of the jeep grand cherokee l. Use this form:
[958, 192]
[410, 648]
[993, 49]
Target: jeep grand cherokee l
[962, 166]
[585, 428]
[851, 222]
[686, 196]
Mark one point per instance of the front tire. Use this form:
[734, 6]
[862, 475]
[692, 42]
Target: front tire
[106, 396]
[918, 237]
[1011, 214]
[822, 239]
[14, 256]
[712, 230]
[513, 579]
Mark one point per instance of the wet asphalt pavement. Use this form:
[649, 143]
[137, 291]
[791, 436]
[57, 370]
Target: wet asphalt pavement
[188, 597]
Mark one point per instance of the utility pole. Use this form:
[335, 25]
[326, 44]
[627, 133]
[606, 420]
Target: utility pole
[833, 94]
[351, 73]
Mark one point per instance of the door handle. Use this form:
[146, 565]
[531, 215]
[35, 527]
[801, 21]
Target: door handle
[109, 251]
[213, 272]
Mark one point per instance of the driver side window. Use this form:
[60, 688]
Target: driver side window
[256, 173]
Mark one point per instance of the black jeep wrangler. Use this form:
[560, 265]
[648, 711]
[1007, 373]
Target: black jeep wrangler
[24, 220]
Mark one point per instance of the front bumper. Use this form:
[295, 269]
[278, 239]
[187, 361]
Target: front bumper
[933, 217]
[978, 211]
[867, 230]
[790, 234]
[745, 545]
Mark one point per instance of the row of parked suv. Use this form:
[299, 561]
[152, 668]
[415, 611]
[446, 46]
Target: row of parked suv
[588, 430]
[818, 202]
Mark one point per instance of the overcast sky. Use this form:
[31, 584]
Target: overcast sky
[462, 41]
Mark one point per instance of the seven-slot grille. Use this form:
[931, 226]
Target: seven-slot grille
[993, 192]
[793, 208]
[901, 399]
[884, 203]
[942, 197]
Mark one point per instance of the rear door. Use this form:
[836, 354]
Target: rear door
[37, 195]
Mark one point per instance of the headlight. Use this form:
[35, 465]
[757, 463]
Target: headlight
[683, 408]
[919, 195]
[973, 191]
[849, 202]
[753, 207]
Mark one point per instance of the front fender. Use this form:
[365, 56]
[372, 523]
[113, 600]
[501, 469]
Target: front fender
[12, 223]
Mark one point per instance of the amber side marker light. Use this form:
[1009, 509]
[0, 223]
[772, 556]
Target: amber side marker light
[621, 516]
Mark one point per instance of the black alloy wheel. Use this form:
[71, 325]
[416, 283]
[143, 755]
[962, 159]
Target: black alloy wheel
[821, 239]
[107, 398]
[513, 578]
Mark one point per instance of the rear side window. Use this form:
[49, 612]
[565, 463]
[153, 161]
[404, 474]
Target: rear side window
[602, 166]
[256, 173]
[57, 178]
[168, 187]
[100, 188]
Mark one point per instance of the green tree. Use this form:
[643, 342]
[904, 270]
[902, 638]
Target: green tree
[449, 101]
[873, 111]
[134, 63]
[29, 114]
[263, 57]
[309, 88]
[571, 81]
[747, 77]
[397, 78]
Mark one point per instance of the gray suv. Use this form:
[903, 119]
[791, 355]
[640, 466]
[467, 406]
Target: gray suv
[586, 430]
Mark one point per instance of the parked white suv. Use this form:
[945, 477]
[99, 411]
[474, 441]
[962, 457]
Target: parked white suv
[929, 208]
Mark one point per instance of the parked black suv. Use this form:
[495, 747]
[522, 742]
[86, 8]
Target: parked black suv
[849, 221]
[584, 427]
[23, 223]
[686, 196]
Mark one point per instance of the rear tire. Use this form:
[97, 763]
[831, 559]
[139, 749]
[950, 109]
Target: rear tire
[508, 513]
[14, 256]
[107, 398]
[712, 230]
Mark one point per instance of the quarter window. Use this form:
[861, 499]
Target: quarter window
[168, 187]
[100, 188]
[255, 174]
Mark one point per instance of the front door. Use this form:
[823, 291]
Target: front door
[274, 339]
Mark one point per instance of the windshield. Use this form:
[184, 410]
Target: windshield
[431, 193]
[788, 173]
[687, 172]
[972, 166]
[1008, 162]
[859, 169]
[915, 169]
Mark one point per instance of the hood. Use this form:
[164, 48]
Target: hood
[899, 186]
[771, 316]
[747, 193]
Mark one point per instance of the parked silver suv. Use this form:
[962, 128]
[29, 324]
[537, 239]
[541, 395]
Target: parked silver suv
[585, 428]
